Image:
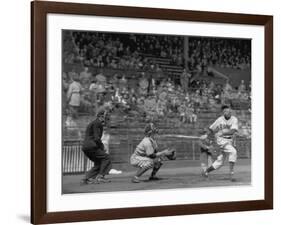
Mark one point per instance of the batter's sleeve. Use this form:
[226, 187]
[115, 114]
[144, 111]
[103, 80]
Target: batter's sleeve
[234, 125]
[215, 125]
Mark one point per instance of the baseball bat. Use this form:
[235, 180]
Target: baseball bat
[180, 136]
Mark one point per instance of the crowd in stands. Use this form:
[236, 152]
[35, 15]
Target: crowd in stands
[145, 97]
[123, 51]
[127, 51]
[229, 53]
[70, 50]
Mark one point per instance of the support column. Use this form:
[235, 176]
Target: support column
[185, 50]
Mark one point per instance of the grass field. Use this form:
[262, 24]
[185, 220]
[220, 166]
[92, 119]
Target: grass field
[173, 176]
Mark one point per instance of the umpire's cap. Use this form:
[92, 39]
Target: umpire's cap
[149, 129]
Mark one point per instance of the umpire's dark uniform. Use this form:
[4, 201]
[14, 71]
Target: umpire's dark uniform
[93, 148]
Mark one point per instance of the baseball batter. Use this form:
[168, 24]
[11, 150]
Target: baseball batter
[224, 129]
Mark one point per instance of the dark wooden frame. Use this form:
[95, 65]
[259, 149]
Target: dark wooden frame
[39, 11]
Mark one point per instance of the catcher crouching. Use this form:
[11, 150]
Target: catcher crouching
[147, 156]
[208, 152]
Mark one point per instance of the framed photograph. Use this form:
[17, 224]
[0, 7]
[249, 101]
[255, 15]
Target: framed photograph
[145, 112]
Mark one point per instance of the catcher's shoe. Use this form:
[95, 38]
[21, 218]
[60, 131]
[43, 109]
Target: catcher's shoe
[102, 180]
[135, 180]
[154, 178]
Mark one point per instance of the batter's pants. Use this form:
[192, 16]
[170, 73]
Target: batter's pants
[227, 150]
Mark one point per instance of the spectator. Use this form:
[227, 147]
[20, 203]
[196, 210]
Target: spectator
[123, 83]
[161, 107]
[190, 111]
[74, 96]
[183, 113]
[185, 76]
[143, 85]
[197, 99]
[227, 87]
[64, 90]
[242, 86]
[141, 107]
[85, 78]
[150, 107]
[101, 79]
[133, 96]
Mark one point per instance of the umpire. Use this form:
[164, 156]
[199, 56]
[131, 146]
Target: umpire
[93, 148]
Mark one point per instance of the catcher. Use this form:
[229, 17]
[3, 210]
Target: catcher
[208, 152]
[147, 156]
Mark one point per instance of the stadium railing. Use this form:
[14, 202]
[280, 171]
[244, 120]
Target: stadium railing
[75, 162]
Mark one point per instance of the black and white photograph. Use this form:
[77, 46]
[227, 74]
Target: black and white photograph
[149, 111]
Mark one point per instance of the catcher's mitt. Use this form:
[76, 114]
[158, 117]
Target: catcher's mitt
[171, 154]
[215, 151]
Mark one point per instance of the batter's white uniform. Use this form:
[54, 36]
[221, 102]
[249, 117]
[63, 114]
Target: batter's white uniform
[225, 142]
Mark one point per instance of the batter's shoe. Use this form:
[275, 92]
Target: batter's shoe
[231, 177]
[135, 180]
[204, 173]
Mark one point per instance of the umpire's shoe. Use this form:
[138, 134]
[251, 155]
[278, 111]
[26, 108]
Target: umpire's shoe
[88, 181]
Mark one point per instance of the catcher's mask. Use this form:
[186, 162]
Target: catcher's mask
[203, 131]
[150, 129]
